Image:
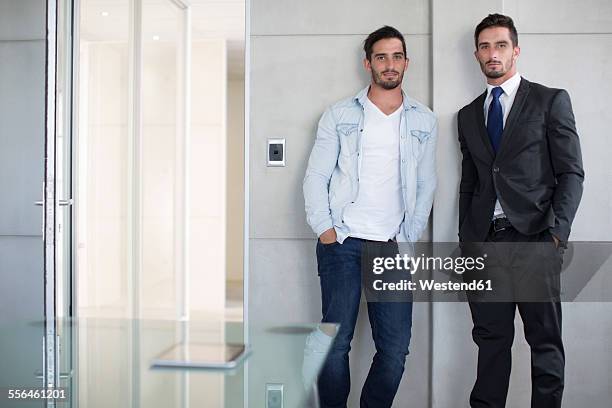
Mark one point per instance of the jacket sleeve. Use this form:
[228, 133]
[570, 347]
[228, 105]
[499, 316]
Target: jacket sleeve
[323, 159]
[566, 160]
[469, 174]
[426, 185]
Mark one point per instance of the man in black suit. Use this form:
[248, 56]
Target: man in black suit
[521, 182]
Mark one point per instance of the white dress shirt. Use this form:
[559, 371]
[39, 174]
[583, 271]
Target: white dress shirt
[506, 99]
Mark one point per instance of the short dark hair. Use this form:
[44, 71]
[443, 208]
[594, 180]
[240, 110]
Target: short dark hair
[497, 20]
[381, 34]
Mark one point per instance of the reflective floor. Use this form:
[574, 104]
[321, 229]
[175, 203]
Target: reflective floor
[110, 364]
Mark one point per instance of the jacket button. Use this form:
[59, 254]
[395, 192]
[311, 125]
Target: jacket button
[403, 160]
[496, 169]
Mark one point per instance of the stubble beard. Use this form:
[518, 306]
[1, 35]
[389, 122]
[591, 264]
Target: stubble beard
[493, 74]
[388, 85]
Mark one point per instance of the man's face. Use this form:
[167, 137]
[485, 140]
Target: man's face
[496, 54]
[388, 63]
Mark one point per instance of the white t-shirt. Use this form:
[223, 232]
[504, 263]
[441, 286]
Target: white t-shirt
[378, 210]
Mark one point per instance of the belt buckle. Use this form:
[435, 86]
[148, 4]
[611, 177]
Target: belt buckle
[497, 221]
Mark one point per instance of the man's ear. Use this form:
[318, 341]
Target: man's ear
[366, 65]
[407, 63]
[516, 52]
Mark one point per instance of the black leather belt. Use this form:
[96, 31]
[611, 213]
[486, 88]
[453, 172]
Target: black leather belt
[500, 224]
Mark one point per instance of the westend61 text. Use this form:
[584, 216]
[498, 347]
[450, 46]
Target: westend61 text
[430, 284]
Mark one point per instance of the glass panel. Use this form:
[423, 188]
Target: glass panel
[217, 156]
[119, 353]
[160, 188]
[162, 196]
[103, 157]
[63, 274]
[103, 196]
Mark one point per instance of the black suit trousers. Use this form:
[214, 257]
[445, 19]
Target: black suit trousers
[493, 333]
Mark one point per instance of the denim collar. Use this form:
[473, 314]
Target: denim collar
[408, 102]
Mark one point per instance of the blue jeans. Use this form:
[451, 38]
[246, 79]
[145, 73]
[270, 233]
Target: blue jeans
[339, 267]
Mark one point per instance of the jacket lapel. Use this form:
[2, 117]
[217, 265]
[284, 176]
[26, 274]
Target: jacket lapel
[478, 110]
[515, 111]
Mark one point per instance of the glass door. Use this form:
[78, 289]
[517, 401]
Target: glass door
[64, 198]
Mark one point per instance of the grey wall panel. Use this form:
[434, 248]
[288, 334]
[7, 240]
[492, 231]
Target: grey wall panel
[585, 75]
[273, 17]
[283, 281]
[22, 20]
[22, 112]
[554, 16]
[21, 273]
[22, 68]
[587, 333]
[453, 355]
[293, 80]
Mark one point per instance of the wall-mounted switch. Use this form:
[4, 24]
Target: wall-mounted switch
[276, 152]
[274, 396]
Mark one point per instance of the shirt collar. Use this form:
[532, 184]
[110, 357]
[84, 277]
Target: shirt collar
[509, 86]
[360, 98]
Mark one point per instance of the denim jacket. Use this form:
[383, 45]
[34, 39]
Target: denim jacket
[332, 176]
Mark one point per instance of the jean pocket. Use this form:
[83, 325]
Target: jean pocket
[331, 244]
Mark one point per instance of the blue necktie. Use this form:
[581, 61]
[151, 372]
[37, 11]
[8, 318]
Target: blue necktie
[495, 119]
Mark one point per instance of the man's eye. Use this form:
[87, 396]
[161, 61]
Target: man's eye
[398, 57]
[380, 58]
[502, 45]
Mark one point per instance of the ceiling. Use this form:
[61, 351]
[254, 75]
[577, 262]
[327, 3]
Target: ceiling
[108, 21]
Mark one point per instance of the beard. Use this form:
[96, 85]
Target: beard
[494, 74]
[377, 77]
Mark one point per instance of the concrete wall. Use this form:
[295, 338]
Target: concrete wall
[306, 55]
[564, 44]
[22, 110]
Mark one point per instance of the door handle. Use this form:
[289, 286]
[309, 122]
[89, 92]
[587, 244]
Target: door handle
[39, 375]
[62, 203]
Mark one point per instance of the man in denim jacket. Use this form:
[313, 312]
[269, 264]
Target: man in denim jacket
[371, 177]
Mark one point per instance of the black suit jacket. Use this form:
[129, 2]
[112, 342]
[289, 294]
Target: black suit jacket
[537, 173]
